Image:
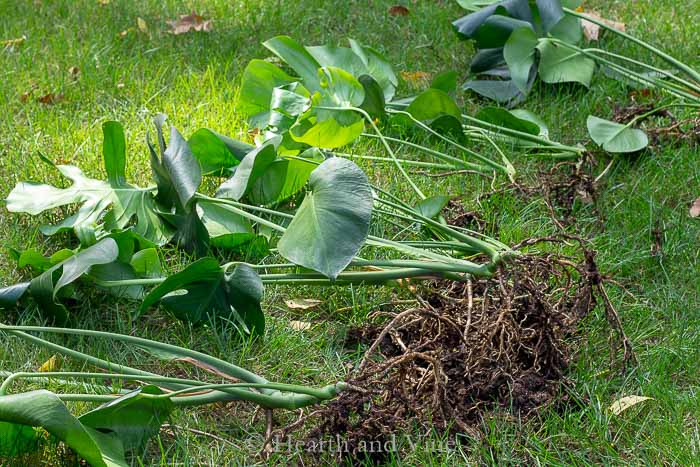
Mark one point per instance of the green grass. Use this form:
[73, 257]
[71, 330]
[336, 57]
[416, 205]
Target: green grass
[194, 79]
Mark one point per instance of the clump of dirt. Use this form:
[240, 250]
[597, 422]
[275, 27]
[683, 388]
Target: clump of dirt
[470, 347]
[456, 214]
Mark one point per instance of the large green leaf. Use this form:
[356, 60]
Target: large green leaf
[505, 118]
[254, 164]
[560, 64]
[550, 13]
[437, 109]
[227, 229]
[332, 223]
[203, 290]
[297, 57]
[259, 79]
[496, 31]
[217, 154]
[182, 166]
[468, 25]
[519, 53]
[44, 409]
[46, 287]
[285, 177]
[615, 137]
[133, 418]
[117, 201]
[328, 124]
[10, 295]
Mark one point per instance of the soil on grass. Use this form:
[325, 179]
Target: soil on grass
[667, 129]
[469, 348]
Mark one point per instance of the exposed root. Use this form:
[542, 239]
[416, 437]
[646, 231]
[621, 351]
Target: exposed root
[469, 348]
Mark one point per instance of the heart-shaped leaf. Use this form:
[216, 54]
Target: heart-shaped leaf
[615, 137]
[285, 177]
[505, 118]
[227, 229]
[259, 79]
[437, 109]
[44, 409]
[332, 223]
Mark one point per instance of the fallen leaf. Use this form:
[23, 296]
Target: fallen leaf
[302, 303]
[398, 10]
[695, 208]
[626, 402]
[103, 2]
[592, 31]
[191, 22]
[120, 85]
[13, 42]
[50, 98]
[52, 364]
[416, 78]
[299, 325]
[74, 72]
[141, 23]
[27, 94]
[124, 33]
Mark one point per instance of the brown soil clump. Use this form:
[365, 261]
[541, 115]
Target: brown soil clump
[470, 347]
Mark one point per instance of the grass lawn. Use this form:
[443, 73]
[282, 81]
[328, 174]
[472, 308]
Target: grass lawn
[640, 225]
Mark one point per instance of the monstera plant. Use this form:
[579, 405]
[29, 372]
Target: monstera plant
[313, 210]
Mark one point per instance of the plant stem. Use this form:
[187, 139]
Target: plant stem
[430, 165]
[668, 58]
[485, 160]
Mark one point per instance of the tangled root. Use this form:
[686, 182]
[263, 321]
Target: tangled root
[470, 347]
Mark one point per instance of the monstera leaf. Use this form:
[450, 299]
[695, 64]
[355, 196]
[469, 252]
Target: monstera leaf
[332, 223]
[133, 418]
[513, 40]
[328, 123]
[328, 77]
[114, 202]
[178, 175]
[204, 290]
[44, 409]
[217, 154]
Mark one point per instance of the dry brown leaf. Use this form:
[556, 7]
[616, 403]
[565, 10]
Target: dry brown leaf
[398, 10]
[141, 23]
[302, 303]
[103, 2]
[191, 22]
[626, 402]
[695, 208]
[299, 325]
[50, 98]
[124, 33]
[74, 72]
[591, 31]
[8, 43]
[205, 367]
[52, 364]
[416, 78]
